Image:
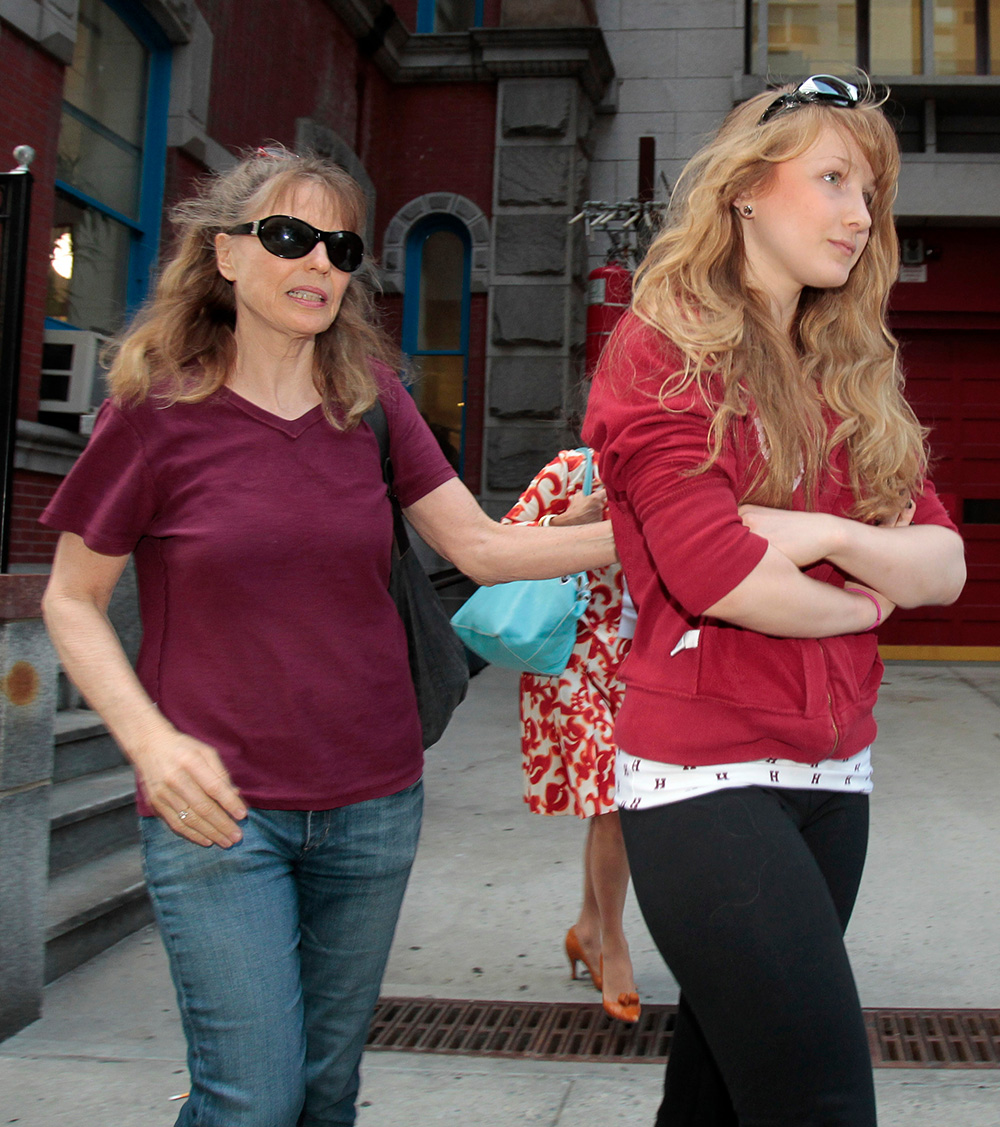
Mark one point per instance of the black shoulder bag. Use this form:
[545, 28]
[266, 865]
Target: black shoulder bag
[438, 663]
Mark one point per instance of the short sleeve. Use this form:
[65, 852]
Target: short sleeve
[929, 508]
[418, 462]
[109, 497]
[652, 453]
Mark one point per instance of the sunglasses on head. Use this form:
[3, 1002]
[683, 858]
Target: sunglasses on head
[288, 237]
[825, 89]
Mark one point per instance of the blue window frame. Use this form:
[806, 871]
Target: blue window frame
[112, 156]
[449, 15]
[436, 326]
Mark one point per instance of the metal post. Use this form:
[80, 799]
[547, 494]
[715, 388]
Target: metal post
[15, 211]
[863, 35]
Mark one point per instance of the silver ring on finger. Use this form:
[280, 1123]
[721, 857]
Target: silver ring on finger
[182, 814]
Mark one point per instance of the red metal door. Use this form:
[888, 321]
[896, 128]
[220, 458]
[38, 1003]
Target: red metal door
[953, 382]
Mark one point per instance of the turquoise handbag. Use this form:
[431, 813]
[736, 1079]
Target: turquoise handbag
[529, 624]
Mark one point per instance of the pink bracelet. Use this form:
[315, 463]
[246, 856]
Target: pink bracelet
[878, 606]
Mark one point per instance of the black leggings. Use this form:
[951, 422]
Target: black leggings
[747, 893]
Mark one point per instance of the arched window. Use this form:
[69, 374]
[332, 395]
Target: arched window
[436, 326]
[109, 173]
[449, 15]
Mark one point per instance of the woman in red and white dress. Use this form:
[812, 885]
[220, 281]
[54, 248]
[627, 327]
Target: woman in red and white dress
[567, 750]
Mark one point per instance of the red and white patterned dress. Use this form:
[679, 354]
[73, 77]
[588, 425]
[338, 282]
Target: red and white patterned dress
[567, 752]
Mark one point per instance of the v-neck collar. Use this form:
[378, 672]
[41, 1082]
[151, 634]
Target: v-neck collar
[292, 427]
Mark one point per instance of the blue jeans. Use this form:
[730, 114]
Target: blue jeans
[277, 948]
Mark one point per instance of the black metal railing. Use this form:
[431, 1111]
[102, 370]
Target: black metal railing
[15, 211]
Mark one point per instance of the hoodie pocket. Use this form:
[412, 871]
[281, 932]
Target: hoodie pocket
[757, 671]
[855, 669]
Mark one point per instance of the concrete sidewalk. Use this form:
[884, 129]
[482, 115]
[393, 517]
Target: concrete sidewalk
[495, 888]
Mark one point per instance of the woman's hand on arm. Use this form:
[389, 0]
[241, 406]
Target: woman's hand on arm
[776, 598]
[913, 565]
[805, 538]
[582, 508]
[450, 520]
[550, 499]
[177, 772]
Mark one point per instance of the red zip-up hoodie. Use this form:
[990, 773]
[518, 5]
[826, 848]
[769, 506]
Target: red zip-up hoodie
[700, 690]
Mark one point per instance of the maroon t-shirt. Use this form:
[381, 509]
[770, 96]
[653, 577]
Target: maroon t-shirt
[262, 549]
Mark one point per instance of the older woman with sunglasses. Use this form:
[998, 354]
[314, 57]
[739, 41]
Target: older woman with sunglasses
[767, 486]
[272, 719]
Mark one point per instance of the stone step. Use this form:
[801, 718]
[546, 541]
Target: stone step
[91, 816]
[82, 745]
[68, 696]
[91, 907]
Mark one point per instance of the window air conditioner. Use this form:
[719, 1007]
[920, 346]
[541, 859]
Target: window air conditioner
[72, 376]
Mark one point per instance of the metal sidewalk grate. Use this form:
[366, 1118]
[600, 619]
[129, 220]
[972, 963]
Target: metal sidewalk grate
[570, 1031]
[934, 1038]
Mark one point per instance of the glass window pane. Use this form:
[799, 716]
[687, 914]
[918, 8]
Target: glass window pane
[896, 37]
[454, 15]
[107, 79]
[438, 392]
[808, 36]
[442, 275]
[964, 128]
[98, 166]
[88, 268]
[955, 37]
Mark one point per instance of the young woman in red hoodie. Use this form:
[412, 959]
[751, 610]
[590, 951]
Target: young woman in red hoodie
[768, 491]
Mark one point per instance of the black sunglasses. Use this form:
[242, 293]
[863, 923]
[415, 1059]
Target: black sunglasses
[818, 88]
[288, 237]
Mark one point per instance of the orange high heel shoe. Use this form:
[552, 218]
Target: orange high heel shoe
[627, 1007]
[574, 952]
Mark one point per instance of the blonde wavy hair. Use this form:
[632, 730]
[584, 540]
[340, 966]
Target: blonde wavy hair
[181, 346]
[693, 287]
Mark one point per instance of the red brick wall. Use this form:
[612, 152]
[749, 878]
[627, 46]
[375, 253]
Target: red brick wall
[435, 139]
[258, 91]
[180, 181]
[407, 12]
[29, 542]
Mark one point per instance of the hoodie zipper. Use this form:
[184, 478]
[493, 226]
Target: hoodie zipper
[836, 730]
[829, 703]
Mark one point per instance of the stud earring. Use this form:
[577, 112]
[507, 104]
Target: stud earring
[746, 210]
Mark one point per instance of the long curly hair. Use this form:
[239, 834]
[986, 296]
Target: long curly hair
[693, 287]
[181, 346]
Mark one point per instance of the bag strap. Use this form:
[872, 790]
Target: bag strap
[375, 417]
[588, 474]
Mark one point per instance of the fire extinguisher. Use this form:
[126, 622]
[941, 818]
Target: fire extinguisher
[609, 294]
